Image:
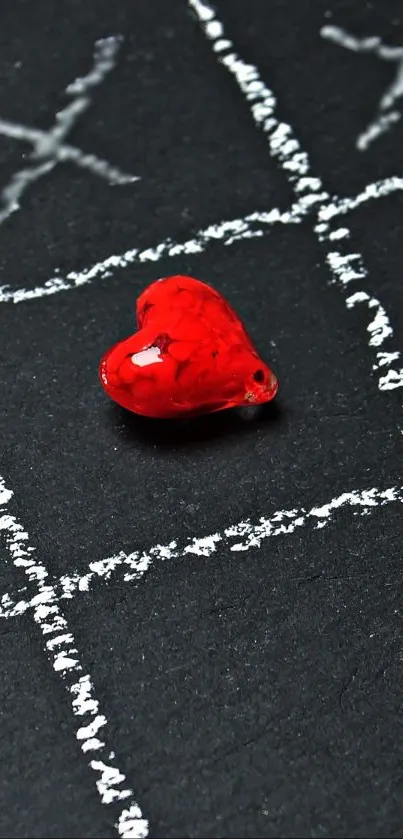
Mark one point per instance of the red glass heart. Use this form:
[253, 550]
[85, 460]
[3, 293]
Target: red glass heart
[191, 355]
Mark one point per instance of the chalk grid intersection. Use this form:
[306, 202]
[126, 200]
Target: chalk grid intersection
[41, 596]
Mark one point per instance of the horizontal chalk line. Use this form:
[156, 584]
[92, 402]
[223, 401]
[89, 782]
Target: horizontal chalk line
[239, 538]
[253, 225]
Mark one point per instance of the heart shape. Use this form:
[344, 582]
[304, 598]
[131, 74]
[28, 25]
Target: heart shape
[191, 355]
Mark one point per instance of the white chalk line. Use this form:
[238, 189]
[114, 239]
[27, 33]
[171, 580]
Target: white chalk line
[311, 198]
[256, 224]
[293, 160]
[385, 117]
[226, 232]
[371, 192]
[237, 539]
[59, 641]
[62, 652]
[49, 148]
[344, 266]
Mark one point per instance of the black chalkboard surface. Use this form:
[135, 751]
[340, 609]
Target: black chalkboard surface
[201, 622]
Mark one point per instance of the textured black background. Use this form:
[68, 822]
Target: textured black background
[255, 695]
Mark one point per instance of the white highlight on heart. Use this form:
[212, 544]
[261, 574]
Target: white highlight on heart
[146, 357]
